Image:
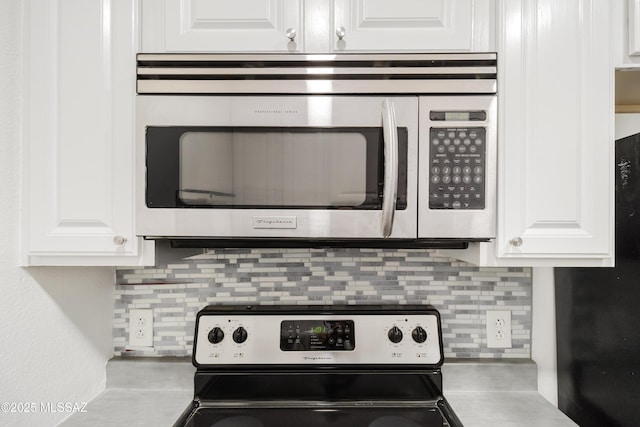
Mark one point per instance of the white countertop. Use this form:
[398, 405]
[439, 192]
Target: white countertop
[155, 391]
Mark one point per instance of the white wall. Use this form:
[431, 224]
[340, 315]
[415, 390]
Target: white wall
[543, 332]
[55, 323]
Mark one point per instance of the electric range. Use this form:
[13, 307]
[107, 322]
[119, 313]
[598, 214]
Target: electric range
[369, 366]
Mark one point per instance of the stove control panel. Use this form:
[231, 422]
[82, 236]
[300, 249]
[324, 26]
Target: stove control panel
[358, 339]
[317, 335]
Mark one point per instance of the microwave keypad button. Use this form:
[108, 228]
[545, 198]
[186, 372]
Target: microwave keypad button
[457, 169]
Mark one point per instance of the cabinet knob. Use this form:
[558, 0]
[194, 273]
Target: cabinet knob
[291, 33]
[119, 240]
[340, 32]
[516, 242]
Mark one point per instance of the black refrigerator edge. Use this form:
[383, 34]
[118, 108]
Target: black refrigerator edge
[598, 310]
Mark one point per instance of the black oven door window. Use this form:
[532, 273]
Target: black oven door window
[269, 168]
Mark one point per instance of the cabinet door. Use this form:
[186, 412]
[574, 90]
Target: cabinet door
[213, 26]
[633, 24]
[78, 134]
[461, 25]
[556, 134]
[626, 33]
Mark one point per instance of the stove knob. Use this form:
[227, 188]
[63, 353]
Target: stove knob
[395, 335]
[215, 335]
[419, 335]
[240, 335]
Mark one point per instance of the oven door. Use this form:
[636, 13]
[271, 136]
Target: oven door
[277, 166]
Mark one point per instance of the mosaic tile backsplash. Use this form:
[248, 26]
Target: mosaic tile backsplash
[177, 289]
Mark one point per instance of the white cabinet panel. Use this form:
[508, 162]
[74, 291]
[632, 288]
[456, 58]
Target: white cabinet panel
[625, 28]
[634, 27]
[78, 134]
[412, 25]
[556, 110]
[263, 25]
[555, 138]
[207, 26]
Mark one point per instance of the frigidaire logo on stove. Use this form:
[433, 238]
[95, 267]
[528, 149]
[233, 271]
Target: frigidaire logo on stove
[316, 358]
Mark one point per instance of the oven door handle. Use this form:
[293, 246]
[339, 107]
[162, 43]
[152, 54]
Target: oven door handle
[390, 190]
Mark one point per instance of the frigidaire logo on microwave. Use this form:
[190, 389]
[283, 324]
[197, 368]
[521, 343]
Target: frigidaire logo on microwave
[275, 222]
[275, 111]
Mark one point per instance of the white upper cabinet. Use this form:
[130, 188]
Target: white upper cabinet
[556, 151]
[212, 26]
[315, 25]
[556, 109]
[626, 33]
[448, 25]
[79, 89]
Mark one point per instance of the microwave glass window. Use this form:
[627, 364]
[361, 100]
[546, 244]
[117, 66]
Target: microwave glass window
[267, 169]
[325, 168]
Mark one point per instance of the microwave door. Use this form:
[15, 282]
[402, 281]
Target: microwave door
[307, 167]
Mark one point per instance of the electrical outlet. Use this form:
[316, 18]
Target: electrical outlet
[141, 328]
[498, 329]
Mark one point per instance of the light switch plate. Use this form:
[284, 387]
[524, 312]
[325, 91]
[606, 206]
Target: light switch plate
[498, 329]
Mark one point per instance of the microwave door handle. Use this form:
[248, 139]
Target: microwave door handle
[390, 191]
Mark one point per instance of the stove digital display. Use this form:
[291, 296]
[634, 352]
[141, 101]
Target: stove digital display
[317, 335]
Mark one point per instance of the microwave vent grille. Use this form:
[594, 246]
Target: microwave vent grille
[444, 73]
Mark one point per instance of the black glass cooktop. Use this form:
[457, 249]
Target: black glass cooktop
[307, 417]
[334, 399]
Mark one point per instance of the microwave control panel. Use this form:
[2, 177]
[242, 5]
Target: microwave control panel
[457, 164]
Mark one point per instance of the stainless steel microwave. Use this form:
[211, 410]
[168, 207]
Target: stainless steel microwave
[359, 148]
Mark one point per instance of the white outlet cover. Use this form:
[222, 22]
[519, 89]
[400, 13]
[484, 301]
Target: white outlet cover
[499, 329]
[140, 328]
